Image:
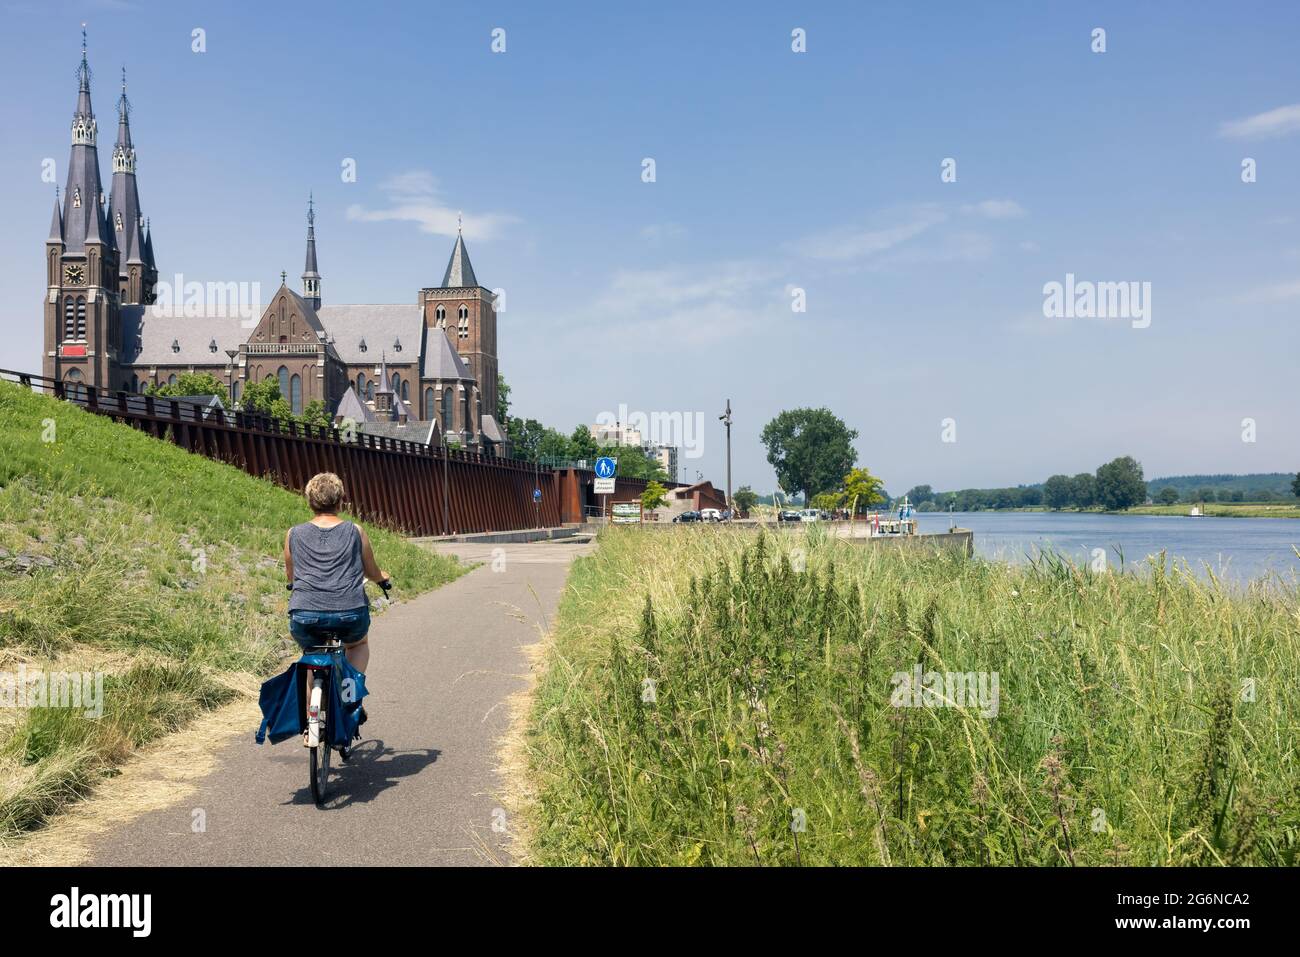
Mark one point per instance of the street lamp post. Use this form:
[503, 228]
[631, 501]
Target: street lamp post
[726, 418]
[230, 373]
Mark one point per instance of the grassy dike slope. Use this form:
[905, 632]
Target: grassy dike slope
[1121, 735]
[166, 576]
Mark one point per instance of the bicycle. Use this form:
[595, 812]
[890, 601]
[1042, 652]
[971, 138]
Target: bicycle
[317, 739]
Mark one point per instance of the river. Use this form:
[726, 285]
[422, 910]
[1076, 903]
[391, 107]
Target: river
[1237, 549]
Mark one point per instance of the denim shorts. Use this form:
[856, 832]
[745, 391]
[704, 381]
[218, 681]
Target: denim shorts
[312, 628]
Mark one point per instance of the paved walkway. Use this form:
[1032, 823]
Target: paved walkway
[421, 788]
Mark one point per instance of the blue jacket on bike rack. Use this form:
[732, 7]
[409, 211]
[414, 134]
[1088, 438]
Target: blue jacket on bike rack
[284, 701]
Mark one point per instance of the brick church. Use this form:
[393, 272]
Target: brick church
[425, 369]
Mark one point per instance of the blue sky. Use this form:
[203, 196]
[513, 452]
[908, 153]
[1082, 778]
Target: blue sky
[774, 170]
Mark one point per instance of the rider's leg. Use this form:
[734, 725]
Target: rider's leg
[358, 654]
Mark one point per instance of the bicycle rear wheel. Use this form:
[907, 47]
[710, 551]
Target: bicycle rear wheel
[320, 771]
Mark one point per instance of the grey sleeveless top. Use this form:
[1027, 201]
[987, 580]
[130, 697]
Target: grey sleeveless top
[327, 570]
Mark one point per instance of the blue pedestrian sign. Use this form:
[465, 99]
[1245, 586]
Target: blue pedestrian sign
[604, 467]
[537, 495]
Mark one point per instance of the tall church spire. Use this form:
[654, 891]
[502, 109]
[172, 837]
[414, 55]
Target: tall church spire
[83, 186]
[126, 222]
[310, 276]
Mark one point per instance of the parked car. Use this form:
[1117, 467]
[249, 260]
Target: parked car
[787, 515]
[810, 515]
[710, 515]
[687, 517]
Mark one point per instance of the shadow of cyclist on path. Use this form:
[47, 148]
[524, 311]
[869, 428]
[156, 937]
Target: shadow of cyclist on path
[372, 769]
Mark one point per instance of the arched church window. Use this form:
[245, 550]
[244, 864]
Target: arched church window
[69, 318]
[428, 403]
[171, 379]
[406, 392]
[446, 409]
[76, 197]
[284, 382]
[75, 386]
[397, 383]
[370, 390]
[81, 317]
[462, 326]
[295, 394]
[468, 421]
[361, 384]
[441, 315]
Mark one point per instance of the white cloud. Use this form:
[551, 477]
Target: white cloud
[662, 232]
[995, 209]
[1279, 122]
[413, 196]
[850, 242]
[1275, 292]
[692, 306]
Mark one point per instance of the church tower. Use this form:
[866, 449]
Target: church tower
[466, 311]
[82, 327]
[137, 274]
[310, 277]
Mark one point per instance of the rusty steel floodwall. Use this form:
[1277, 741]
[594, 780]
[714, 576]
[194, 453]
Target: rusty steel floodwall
[406, 486]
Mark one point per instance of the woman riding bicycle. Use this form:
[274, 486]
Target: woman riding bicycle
[327, 561]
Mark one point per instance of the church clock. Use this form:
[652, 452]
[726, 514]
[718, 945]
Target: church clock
[74, 275]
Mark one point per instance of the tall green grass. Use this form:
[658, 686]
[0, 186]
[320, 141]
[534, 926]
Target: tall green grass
[725, 699]
[166, 575]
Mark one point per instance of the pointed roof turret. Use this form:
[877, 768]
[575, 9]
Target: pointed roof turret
[56, 224]
[459, 274]
[310, 268]
[148, 246]
[351, 407]
[310, 277]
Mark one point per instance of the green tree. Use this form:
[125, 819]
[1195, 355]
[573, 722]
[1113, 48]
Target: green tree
[1084, 490]
[503, 400]
[1120, 484]
[865, 487]
[745, 498]
[654, 496]
[583, 444]
[920, 493]
[1058, 492]
[825, 501]
[526, 437]
[1295, 485]
[1168, 495]
[260, 397]
[192, 383]
[635, 462]
[810, 449]
[316, 415]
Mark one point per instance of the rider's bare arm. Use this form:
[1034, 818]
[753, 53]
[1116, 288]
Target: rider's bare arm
[373, 571]
[288, 560]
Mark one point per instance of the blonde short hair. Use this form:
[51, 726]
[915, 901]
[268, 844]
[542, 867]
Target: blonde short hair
[325, 492]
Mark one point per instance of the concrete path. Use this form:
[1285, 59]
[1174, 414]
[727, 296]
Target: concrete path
[421, 787]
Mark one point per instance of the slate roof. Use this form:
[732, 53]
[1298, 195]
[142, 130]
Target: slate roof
[381, 326]
[459, 274]
[147, 339]
[441, 360]
[491, 430]
[351, 407]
